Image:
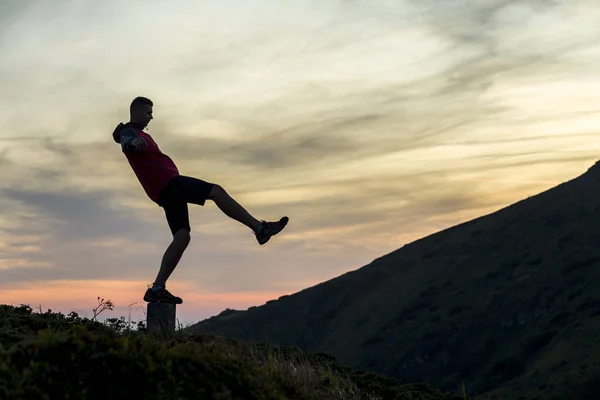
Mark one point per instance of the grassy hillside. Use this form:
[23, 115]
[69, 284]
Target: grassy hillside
[53, 356]
[508, 303]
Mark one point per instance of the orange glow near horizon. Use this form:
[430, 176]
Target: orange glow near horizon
[82, 296]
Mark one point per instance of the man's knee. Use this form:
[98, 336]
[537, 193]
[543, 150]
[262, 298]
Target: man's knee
[216, 192]
[182, 237]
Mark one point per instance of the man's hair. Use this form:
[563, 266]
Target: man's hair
[138, 101]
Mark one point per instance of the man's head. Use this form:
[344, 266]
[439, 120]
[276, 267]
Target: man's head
[140, 111]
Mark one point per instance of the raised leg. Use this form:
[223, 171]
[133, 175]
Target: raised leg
[232, 208]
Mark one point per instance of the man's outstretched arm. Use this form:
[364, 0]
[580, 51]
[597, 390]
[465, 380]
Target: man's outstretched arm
[130, 142]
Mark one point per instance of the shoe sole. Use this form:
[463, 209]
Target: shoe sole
[153, 300]
[283, 220]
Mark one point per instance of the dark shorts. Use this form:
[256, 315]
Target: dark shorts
[175, 197]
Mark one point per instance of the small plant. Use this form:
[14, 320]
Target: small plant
[463, 389]
[102, 305]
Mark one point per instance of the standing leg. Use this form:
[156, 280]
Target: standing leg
[178, 220]
[172, 255]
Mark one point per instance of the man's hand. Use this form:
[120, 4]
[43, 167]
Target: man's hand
[139, 144]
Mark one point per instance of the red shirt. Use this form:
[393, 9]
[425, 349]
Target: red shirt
[153, 168]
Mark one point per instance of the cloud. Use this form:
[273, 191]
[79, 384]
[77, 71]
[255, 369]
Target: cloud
[70, 233]
[88, 212]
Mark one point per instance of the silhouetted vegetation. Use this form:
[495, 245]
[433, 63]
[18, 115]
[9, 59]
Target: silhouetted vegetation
[49, 355]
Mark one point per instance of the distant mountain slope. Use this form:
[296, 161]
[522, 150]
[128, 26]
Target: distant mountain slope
[509, 301]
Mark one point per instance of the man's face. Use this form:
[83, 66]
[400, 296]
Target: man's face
[144, 114]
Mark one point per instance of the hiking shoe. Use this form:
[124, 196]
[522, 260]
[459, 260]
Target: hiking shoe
[268, 229]
[161, 295]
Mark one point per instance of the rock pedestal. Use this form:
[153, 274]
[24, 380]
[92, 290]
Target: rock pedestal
[160, 318]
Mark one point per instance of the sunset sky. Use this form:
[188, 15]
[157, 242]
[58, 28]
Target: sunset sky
[369, 123]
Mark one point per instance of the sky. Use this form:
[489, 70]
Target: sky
[370, 124]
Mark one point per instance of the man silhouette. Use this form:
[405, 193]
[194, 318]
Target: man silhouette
[163, 184]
